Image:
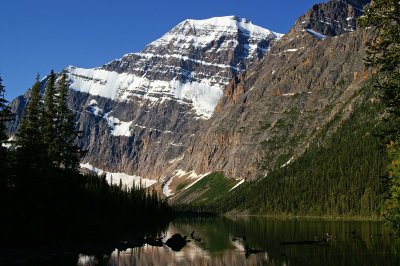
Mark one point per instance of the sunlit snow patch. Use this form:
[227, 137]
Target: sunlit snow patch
[238, 184]
[288, 162]
[114, 178]
[316, 34]
[118, 127]
[94, 108]
[199, 177]
[288, 94]
[190, 175]
[165, 187]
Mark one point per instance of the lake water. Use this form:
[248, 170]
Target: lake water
[255, 241]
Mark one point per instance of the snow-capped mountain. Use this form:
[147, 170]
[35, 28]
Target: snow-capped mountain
[220, 94]
[191, 63]
[138, 114]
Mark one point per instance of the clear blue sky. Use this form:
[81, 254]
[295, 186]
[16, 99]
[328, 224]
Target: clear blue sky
[37, 36]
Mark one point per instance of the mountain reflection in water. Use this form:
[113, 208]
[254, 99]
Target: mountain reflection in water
[191, 254]
[263, 241]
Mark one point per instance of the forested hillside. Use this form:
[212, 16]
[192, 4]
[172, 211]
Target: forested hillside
[338, 175]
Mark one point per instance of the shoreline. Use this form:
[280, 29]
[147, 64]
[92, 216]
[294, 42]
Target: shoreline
[307, 217]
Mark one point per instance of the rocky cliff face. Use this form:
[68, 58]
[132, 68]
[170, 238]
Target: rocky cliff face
[139, 113]
[269, 114]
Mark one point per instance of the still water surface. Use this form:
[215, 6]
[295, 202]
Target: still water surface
[259, 241]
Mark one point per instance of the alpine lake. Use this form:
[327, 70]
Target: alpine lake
[243, 240]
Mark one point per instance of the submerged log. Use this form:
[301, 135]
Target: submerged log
[250, 251]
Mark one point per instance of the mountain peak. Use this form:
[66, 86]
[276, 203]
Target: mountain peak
[191, 64]
[226, 23]
[333, 18]
[220, 21]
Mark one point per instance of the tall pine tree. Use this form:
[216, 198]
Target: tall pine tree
[49, 119]
[67, 149]
[31, 149]
[384, 50]
[384, 55]
[5, 116]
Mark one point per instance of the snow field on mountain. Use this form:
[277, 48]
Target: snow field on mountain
[111, 85]
[114, 178]
[203, 85]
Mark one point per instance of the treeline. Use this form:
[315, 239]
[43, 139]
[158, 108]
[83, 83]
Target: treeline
[46, 138]
[43, 196]
[340, 178]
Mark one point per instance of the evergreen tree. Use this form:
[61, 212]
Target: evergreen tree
[384, 55]
[5, 116]
[384, 50]
[68, 152]
[49, 119]
[393, 202]
[30, 144]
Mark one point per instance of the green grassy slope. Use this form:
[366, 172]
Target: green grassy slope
[207, 192]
